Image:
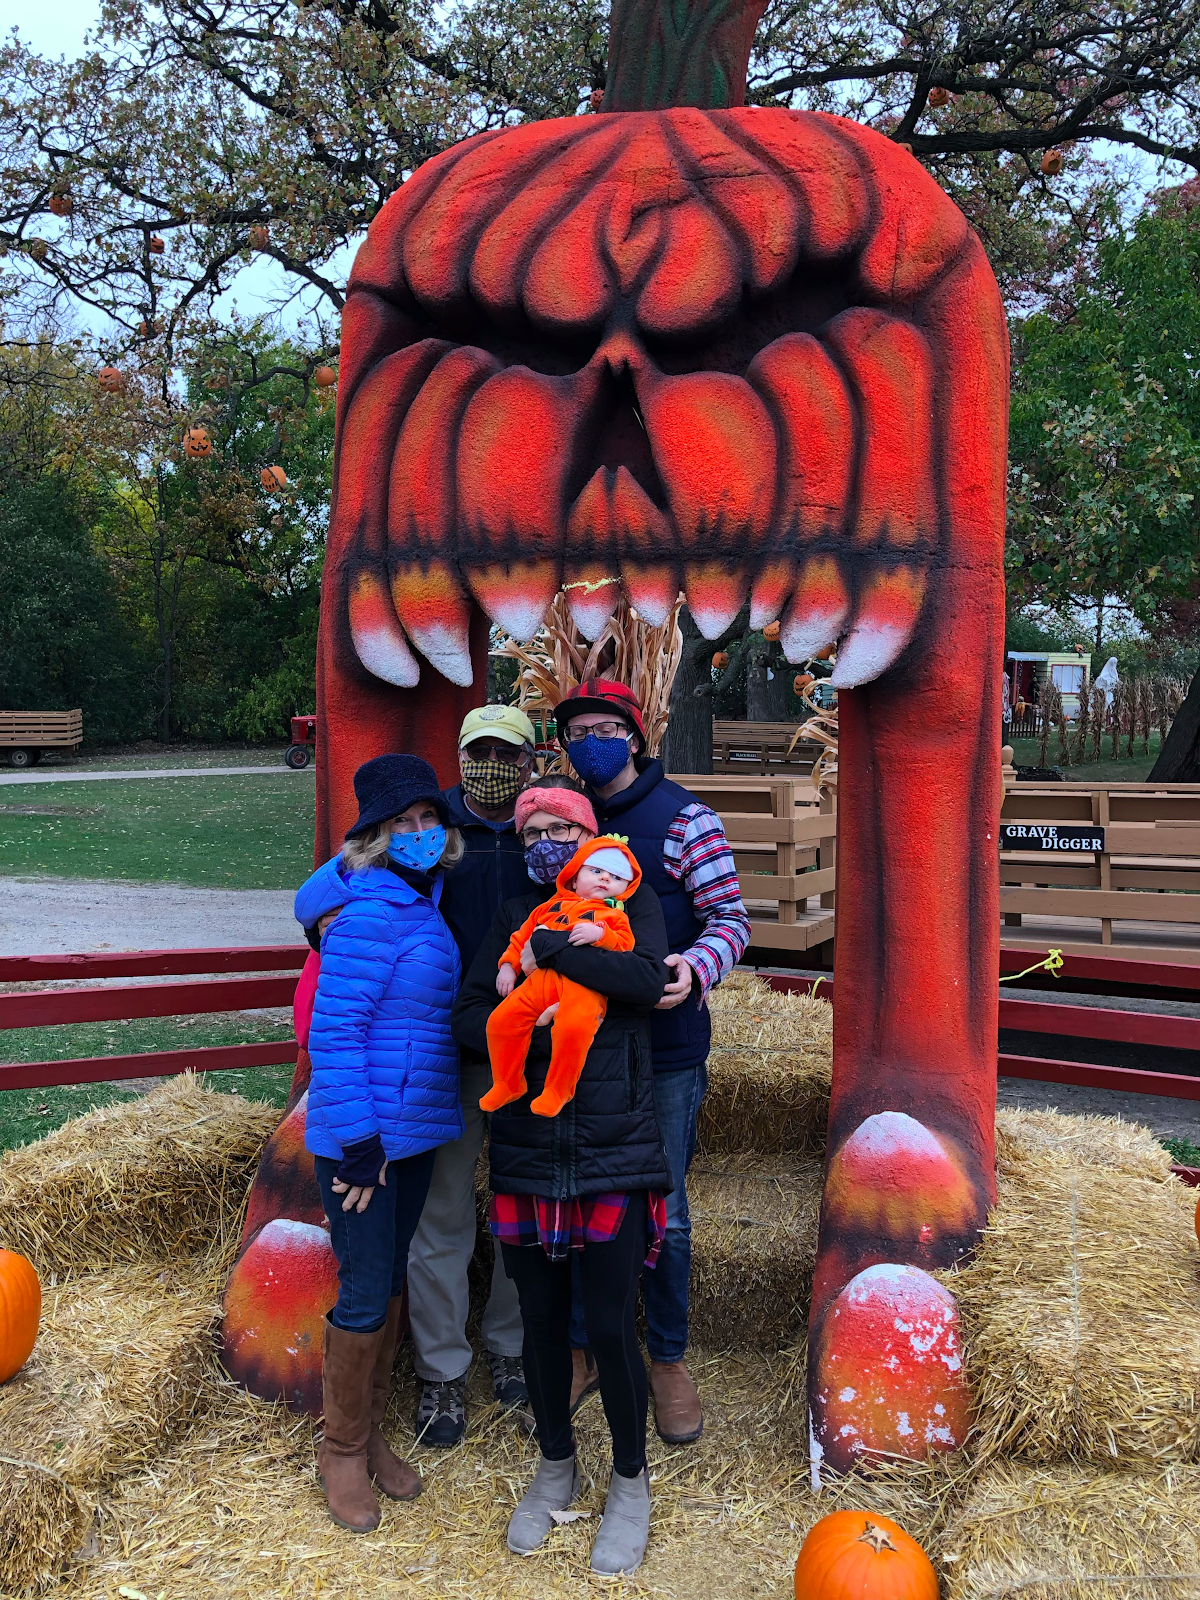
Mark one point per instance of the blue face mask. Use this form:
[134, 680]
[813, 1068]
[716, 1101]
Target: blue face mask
[598, 761]
[546, 859]
[420, 851]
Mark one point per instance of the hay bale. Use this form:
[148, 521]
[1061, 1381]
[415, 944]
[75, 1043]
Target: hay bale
[119, 1365]
[1109, 1142]
[754, 1242]
[157, 1178]
[1067, 1533]
[1081, 1315]
[769, 1071]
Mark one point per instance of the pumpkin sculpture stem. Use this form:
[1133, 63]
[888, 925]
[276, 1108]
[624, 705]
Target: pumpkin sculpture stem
[679, 53]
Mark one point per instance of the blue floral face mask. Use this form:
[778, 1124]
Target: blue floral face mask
[420, 851]
[546, 859]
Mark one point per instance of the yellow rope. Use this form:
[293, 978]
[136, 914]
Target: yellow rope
[1053, 965]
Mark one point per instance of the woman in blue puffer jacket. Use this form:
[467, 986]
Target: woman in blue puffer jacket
[384, 1094]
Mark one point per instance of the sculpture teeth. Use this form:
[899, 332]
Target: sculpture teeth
[888, 608]
[592, 593]
[716, 592]
[516, 595]
[436, 616]
[817, 611]
[379, 641]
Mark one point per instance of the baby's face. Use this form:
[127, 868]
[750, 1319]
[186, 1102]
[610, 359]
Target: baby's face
[593, 883]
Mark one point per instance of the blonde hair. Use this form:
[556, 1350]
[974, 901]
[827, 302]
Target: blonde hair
[370, 849]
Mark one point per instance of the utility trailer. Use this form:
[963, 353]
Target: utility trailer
[25, 734]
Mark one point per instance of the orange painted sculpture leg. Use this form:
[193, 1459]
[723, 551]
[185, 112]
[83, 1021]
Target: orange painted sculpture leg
[510, 1028]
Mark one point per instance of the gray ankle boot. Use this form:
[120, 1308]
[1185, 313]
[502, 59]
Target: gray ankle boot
[555, 1484]
[625, 1526]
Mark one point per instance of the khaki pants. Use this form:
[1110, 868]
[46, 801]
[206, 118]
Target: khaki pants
[441, 1249]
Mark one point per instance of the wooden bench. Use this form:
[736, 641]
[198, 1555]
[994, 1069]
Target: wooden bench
[1146, 879]
[784, 839]
[761, 748]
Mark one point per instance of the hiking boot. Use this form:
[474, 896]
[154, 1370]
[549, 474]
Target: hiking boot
[508, 1381]
[395, 1477]
[678, 1416]
[585, 1379]
[442, 1413]
[346, 1379]
[555, 1485]
[625, 1526]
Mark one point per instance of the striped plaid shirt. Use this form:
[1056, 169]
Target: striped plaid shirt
[697, 851]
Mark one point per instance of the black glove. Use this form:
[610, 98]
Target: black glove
[546, 943]
[361, 1163]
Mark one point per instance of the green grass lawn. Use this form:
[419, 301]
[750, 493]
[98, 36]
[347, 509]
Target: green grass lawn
[230, 833]
[1123, 770]
[27, 1114]
[160, 758]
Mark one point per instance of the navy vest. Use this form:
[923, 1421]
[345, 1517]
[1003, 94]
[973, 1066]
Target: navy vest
[678, 1038]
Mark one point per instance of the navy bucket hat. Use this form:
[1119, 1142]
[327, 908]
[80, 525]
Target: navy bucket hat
[388, 785]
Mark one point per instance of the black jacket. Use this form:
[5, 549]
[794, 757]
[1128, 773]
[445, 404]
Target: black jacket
[606, 1138]
[491, 872]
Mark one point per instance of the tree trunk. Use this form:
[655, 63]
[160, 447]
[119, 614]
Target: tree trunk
[687, 744]
[1179, 759]
[766, 698]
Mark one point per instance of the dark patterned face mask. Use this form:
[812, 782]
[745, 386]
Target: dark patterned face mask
[491, 784]
[546, 859]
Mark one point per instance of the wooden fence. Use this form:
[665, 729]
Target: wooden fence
[1140, 893]
[784, 839]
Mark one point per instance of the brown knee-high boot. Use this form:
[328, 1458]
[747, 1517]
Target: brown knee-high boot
[349, 1367]
[395, 1477]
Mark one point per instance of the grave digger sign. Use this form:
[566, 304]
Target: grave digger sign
[1051, 836]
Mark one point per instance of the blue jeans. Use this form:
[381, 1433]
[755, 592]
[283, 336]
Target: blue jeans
[677, 1097]
[371, 1246]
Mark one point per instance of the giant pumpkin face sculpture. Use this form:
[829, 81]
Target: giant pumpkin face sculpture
[745, 352]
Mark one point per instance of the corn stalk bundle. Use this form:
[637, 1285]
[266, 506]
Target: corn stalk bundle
[821, 728]
[1099, 701]
[1120, 715]
[1050, 713]
[558, 658]
[1143, 696]
[1084, 730]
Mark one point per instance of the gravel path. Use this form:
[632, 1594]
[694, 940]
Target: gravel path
[160, 772]
[58, 916]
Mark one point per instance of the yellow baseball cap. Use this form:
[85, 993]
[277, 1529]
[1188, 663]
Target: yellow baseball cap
[503, 722]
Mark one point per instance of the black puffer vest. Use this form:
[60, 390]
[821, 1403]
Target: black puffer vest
[606, 1138]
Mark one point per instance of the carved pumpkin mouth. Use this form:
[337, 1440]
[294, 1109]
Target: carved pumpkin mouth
[733, 428]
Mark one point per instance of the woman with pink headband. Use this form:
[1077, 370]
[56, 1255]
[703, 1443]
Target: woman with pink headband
[586, 1186]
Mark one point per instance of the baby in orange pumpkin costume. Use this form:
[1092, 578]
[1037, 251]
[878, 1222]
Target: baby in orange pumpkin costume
[588, 907]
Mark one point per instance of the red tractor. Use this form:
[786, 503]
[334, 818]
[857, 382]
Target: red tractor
[304, 740]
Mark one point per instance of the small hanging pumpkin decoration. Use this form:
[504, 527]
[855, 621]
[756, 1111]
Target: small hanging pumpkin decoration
[197, 443]
[938, 96]
[111, 379]
[156, 245]
[273, 478]
[260, 237]
[61, 205]
[771, 632]
[720, 660]
[147, 329]
[20, 1312]
[1052, 163]
[824, 655]
[904, 145]
[801, 681]
[854, 1553]
[324, 377]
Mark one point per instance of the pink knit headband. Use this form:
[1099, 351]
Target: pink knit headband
[568, 804]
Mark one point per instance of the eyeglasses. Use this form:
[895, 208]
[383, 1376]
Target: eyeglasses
[513, 755]
[560, 832]
[577, 731]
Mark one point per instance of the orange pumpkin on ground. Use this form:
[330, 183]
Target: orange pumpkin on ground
[850, 1555]
[272, 479]
[20, 1312]
[197, 443]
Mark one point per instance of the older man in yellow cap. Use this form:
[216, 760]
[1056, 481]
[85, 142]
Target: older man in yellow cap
[496, 760]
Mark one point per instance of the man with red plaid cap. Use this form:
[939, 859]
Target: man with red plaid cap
[684, 855]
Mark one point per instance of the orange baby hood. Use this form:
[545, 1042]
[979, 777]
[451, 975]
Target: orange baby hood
[602, 841]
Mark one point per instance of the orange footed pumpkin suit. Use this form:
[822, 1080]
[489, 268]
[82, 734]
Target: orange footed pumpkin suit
[580, 1010]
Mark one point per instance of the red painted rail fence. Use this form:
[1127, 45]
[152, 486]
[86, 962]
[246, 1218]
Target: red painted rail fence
[40, 1008]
